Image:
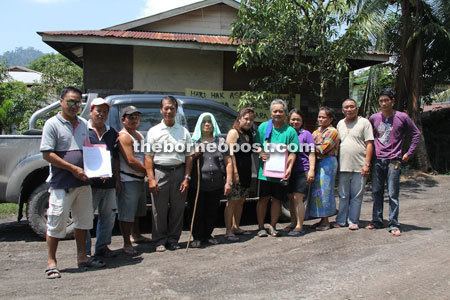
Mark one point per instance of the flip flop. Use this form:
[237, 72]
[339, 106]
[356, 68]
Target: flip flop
[295, 233]
[52, 273]
[273, 232]
[288, 228]
[396, 232]
[353, 227]
[242, 232]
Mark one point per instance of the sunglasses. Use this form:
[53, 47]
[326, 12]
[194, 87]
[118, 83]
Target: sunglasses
[133, 117]
[72, 103]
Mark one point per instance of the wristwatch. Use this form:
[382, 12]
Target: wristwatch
[187, 177]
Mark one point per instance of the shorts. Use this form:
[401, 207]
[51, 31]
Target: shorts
[62, 202]
[131, 201]
[272, 189]
[298, 183]
[238, 192]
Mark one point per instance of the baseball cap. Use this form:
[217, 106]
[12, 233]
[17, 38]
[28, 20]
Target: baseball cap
[99, 101]
[130, 110]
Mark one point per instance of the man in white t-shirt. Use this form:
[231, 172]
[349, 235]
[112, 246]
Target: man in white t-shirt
[355, 155]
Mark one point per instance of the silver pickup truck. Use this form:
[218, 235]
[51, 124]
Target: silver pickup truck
[23, 171]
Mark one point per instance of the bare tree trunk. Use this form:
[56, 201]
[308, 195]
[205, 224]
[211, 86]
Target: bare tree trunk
[409, 80]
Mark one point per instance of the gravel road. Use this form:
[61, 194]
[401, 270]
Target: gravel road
[336, 264]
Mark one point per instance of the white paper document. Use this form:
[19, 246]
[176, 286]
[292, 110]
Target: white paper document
[97, 162]
[276, 161]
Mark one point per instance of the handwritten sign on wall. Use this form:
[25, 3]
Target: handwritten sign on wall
[231, 99]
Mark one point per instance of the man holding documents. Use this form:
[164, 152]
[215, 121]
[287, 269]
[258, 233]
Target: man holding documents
[104, 185]
[63, 137]
[279, 143]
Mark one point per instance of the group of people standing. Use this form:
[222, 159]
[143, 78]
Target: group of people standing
[216, 173]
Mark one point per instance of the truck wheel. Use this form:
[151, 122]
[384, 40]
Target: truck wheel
[37, 212]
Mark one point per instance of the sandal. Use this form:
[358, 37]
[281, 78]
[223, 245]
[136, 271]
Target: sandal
[353, 227]
[323, 227]
[337, 225]
[262, 233]
[140, 239]
[273, 232]
[91, 263]
[231, 237]
[296, 233]
[52, 273]
[241, 232]
[195, 244]
[129, 250]
[372, 226]
[396, 232]
[288, 228]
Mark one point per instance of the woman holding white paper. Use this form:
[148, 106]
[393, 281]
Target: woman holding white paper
[322, 203]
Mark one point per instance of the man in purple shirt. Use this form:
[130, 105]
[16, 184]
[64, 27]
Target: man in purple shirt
[390, 128]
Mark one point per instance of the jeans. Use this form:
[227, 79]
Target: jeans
[351, 191]
[104, 200]
[386, 170]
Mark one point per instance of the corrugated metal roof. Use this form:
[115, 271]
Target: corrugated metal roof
[146, 35]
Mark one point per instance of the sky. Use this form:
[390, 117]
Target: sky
[21, 19]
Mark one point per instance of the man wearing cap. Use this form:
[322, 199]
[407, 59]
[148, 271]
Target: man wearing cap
[168, 163]
[103, 189]
[63, 137]
[131, 200]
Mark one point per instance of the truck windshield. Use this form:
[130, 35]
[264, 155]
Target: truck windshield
[151, 116]
[224, 119]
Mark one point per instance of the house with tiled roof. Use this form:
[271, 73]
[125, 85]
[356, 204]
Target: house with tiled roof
[184, 48]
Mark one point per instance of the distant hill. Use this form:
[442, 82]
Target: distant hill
[20, 56]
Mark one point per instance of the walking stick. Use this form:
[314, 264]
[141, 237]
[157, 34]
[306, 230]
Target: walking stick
[195, 204]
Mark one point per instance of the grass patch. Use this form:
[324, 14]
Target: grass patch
[8, 209]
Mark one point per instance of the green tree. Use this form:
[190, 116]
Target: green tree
[298, 42]
[58, 72]
[13, 98]
[416, 32]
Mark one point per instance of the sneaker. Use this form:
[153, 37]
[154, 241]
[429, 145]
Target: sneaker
[262, 233]
[160, 248]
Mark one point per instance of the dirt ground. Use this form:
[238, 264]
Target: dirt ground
[338, 263]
